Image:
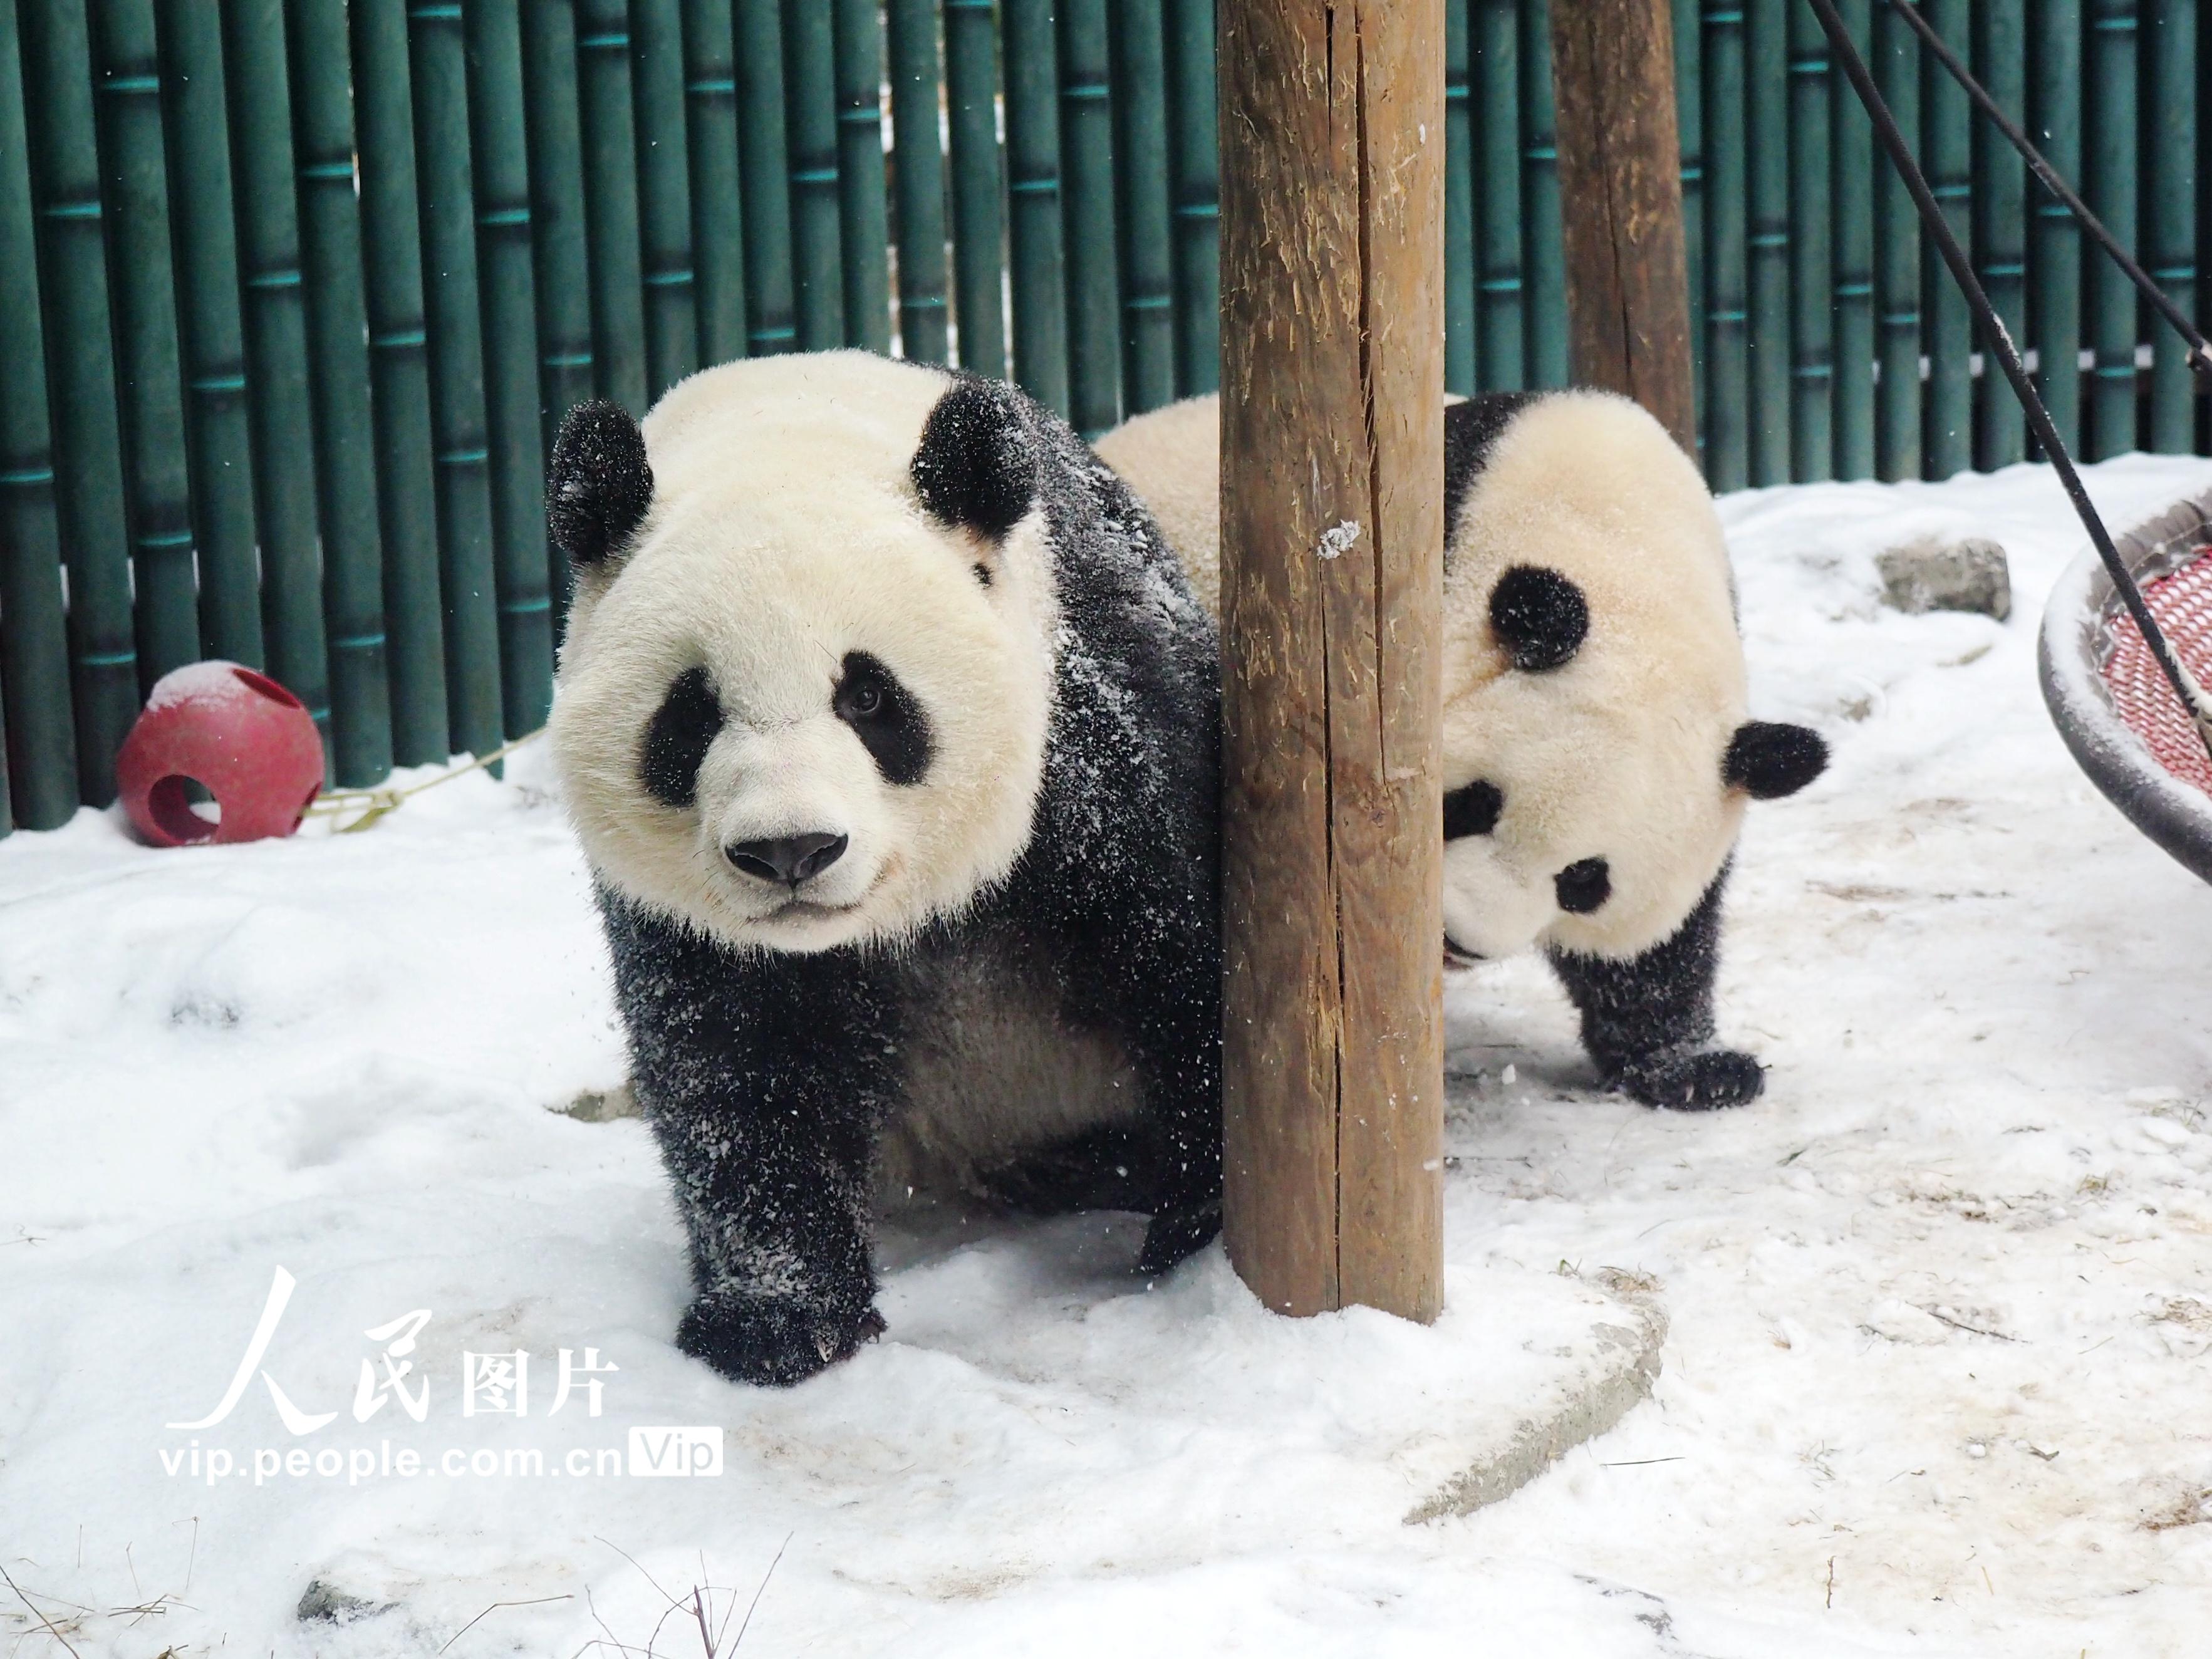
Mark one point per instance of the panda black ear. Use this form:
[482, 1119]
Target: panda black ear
[974, 469]
[1768, 760]
[1539, 615]
[598, 484]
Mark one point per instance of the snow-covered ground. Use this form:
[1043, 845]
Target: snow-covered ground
[1941, 1304]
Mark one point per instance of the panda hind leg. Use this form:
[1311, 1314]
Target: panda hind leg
[1648, 1021]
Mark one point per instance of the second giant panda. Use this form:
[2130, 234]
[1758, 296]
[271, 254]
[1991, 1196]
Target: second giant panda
[890, 727]
[1597, 751]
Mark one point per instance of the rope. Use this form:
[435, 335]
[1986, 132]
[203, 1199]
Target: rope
[377, 803]
[2000, 342]
[2200, 351]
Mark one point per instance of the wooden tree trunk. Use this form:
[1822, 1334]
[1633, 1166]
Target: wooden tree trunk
[1620, 177]
[1331, 374]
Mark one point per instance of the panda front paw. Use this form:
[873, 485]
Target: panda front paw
[1176, 1235]
[1698, 1082]
[775, 1341]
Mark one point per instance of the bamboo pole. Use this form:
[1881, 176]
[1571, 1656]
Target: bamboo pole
[135, 167]
[1502, 349]
[1194, 154]
[1620, 166]
[1140, 140]
[809, 101]
[1332, 281]
[399, 380]
[446, 177]
[663, 195]
[1950, 334]
[978, 187]
[2000, 52]
[500, 165]
[560, 246]
[1852, 160]
[218, 434]
[1728, 363]
[1543, 241]
[1036, 236]
[1897, 276]
[1766, 121]
[278, 401]
[771, 315]
[2054, 252]
[2112, 192]
[39, 748]
[1460, 278]
[718, 241]
[922, 313]
[1690, 116]
[613, 233]
[2175, 222]
[1094, 318]
[860, 209]
[338, 345]
[1812, 255]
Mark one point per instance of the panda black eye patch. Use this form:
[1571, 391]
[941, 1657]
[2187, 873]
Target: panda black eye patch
[1583, 886]
[886, 717]
[1472, 809]
[681, 730]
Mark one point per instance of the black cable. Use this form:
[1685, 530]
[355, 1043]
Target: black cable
[2200, 350]
[2000, 342]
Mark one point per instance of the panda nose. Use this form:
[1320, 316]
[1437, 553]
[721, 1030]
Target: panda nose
[787, 860]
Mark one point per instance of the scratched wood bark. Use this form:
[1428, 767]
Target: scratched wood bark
[1620, 176]
[1332, 371]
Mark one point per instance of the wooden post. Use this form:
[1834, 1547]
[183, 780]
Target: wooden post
[1332, 372]
[1620, 177]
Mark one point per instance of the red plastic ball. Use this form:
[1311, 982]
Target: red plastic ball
[240, 736]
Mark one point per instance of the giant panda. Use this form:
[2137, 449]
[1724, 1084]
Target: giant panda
[1597, 754]
[890, 729]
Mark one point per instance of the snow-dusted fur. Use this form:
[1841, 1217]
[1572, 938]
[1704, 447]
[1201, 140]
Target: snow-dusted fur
[890, 728]
[1597, 755]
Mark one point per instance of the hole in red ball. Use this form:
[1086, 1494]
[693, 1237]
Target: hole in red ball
[267, 687]
[172, 809]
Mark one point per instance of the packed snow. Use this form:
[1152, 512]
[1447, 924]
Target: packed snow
[1939, 1306]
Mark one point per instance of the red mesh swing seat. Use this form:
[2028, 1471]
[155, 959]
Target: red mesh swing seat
[2111, 703]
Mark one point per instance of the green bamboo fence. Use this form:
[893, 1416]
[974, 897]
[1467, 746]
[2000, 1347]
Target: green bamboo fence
[2000, 59]
[809, 97]
[39, 747]
[1501, 336]
[979, 185]
[1851, 159]
[218, 438]
[664, 188]
[862, 219]
[1812, 253]
[1192, 113]
[1146, 224]
[923, 317]
[294, 293]
[399, 380]
[512, 429]
[1948, 135]
[772, 318]
[2056, 246]
[718, 243]
[346, 466]
[277, 403]
[2175, 84]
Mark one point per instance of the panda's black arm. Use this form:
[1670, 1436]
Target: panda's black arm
[1648, 1021]
[764, 1080]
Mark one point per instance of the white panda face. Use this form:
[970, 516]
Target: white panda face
[804, 712]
